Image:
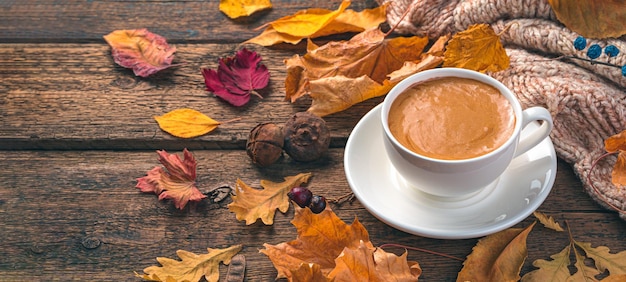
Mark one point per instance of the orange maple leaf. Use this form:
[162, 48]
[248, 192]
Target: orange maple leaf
[250, 204]
[176, 182]
[613, 144]
[328, 247]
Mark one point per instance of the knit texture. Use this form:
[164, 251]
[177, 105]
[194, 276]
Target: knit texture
[587, 101]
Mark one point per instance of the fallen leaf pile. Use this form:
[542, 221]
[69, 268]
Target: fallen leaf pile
[327, 249]
[143, 51]
[176, 182]
[192, 267]
[314, 22]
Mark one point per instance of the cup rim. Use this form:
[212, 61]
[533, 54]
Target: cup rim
[451, 72]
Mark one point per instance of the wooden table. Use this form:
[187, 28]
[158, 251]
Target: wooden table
[77, 130]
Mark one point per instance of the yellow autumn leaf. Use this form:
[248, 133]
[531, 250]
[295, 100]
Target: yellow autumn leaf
[192, 267]
[604, 259]
[311, 23]
[243, 8]
[250, 204]
[592, 18]
[497, 257]
[186, 123]
[548, 221]
[552, 270]
[476, 48]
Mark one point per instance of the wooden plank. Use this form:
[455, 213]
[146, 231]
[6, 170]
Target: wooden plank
[178, 21]
[73, 96]
[76, 215]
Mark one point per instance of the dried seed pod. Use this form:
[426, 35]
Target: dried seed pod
[265, 144]
[307, 137]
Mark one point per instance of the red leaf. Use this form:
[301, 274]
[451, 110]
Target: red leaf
[143, 51]
[176, 182]
[237, 77]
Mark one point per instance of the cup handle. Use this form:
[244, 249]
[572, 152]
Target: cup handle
[531, 140]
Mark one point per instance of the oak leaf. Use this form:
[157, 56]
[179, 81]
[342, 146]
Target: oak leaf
[237, 77]
[552, 270]
[141, 50]
[592, 18]
[186, 123]
[345, 21]
[497, 257]
[176, 182]
[583, 272]
[613, 144]
[250, 204]
[548, 221]
[243, 8]
[476, 48]
[362, 63]
[325, 245]
[192, 267]
[604, 260]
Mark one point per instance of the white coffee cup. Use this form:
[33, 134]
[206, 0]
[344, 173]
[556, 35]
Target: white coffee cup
[456, 178]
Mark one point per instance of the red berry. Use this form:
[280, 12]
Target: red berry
[300, 195]
[318, 204]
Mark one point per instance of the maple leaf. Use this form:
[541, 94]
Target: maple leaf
[250, 204]
[143, 51]
[186, 123]
[497, 257]
[237, 77]
[553, 270]
[176, 182]
[325, 245]
[367, 263]
[242, 8]
[613, 144]
[313, 23]
[476, 48]
[591, 18]
[341, 74]
[192, 267]
[548, 221]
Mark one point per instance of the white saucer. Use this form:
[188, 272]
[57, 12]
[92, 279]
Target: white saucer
[520, 190]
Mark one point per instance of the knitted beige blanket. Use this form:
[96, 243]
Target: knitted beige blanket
[587, 101]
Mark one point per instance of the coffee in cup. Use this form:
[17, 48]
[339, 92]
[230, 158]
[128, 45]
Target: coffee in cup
[472, 130]
[451, 118]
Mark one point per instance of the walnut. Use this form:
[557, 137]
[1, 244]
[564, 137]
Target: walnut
[307, 137]
[265, 144]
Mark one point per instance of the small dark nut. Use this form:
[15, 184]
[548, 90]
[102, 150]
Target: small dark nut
[265, 144]
[307, 137]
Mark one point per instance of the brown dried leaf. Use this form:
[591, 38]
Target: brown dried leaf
[603, 259]
[343, 65]
[592, 18]
[476, 48]
[250, 204]
[617, 143]
[497, 257]
[548, 221]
